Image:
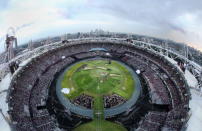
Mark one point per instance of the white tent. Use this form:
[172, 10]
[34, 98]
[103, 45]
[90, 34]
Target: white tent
[65, 90]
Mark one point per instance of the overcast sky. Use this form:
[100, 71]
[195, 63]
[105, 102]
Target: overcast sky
[178, 20]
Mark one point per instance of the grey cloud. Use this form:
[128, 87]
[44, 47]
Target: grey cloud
[23, 26]
[177, 28]
[160, 15]
[156, 12]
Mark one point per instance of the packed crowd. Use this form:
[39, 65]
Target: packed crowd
[175, 82]
[153, 121]
[83, 100]
[176, 118]
[159, 93]
[32, 83]
[113, 100]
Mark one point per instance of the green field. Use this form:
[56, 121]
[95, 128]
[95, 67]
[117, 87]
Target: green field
[100, 125]
[97, 78]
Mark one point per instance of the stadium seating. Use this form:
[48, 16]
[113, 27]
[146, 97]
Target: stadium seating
[29, 88]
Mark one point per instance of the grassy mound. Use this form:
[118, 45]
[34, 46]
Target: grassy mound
[97, 78]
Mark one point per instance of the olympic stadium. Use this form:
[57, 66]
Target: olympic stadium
[97, 84]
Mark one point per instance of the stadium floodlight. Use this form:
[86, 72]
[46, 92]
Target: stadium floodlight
[138, 72]
[63, 57]
[108, 54]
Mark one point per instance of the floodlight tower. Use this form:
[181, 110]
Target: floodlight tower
[11, 40]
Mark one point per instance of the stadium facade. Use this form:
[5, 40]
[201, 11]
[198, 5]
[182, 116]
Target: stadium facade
[34, 105]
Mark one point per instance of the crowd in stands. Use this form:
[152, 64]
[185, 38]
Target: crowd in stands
[83, 100]
[153, 121]
[113, 100]
[159, 93]
[175, 82]
[176, 117]
[32, 84]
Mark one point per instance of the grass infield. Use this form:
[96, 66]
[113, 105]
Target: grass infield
[97, 78]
